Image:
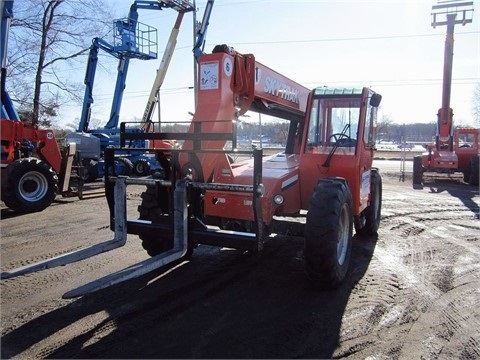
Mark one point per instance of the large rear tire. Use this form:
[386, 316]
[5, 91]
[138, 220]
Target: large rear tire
[474, 170]
[127, 166]
[374, 211]
[417, 170]
[30, 185]
[89, 171]
[328, 233]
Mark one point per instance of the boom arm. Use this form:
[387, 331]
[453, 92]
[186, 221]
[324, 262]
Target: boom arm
[167, 55]
[125, 29]
[448, 14]
[202, 31]
[229, 85]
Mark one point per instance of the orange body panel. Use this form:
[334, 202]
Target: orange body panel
[12, 134]
[458, 159]
[279, 176]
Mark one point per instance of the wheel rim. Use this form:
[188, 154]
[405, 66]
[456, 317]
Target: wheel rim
[33, 186]
[140, 168]
[343, 235]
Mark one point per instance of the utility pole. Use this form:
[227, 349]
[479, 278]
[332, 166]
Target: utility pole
[448, 13]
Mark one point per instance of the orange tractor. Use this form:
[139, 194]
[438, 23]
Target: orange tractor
[203, 197]
[33, 169]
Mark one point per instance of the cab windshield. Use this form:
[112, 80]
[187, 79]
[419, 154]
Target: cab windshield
[334, 122]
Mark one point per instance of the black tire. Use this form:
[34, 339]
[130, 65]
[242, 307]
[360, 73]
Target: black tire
[417, 170]
[466, 175]
[328, 233]
[89, 171]
[474, 170]
[30, 185]
[141, 167]
[153, 207]
[127, 166]
[373, 212]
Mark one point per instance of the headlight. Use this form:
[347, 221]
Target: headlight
[278, 199]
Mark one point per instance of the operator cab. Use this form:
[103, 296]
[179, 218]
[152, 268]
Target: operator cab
[334, 120]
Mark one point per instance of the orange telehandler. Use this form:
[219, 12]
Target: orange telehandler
[202, 197]
[454, 150]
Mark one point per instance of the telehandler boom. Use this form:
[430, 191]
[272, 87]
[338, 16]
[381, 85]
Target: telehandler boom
[454, 150]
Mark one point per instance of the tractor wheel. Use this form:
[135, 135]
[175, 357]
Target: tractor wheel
[127, 166]
[141, 167]
[417, 170]
[89, 171]
[474, 170]
[466, 175]
[30, 185]
[328, 233]
[153, 208]
[373, 212]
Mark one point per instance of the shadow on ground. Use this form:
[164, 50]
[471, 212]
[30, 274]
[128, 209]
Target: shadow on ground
[222, 304]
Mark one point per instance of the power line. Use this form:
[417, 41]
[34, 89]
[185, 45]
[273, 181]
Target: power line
[389, 37]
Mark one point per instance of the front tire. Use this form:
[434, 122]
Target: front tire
[30, 185]
[328, 233]
[141, 167]
[154, 206]
[153, 210]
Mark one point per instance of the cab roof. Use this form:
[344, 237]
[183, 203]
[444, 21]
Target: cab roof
[325, 90]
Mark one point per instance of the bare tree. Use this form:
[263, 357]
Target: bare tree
[47, 38]
[383, 127]
[476, 105]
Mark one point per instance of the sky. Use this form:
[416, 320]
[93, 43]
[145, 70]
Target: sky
[387, 45]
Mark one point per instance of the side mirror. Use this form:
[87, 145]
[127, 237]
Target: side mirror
[375, 100]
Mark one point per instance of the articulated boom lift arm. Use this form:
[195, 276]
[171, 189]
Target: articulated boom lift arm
[97, 44]
[129, 42]
[163, 67]
[202, 31]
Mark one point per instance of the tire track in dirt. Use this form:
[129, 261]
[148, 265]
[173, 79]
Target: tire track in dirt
[431, 265]
[413, 287]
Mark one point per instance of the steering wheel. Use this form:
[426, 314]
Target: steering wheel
[339, 136]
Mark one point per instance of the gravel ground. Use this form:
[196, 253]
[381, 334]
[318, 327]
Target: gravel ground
[412, 292]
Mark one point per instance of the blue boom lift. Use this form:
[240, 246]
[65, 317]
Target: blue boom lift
[132, 40]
